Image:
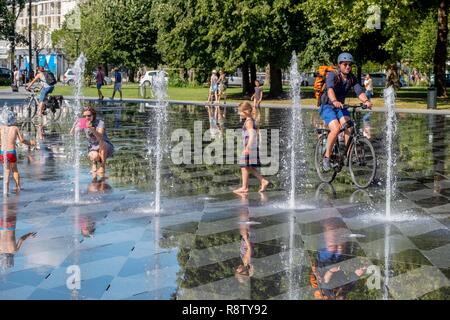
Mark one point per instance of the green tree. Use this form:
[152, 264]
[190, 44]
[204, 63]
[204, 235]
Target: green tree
[231, 34]
[441, 52]
[38, 39]
[94, 35]
[112, 31]
[10, 11]
[133, 37]
[420, 49]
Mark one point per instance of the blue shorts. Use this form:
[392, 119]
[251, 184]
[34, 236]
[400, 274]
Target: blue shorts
[330, 113]
[45, 92]
[214, 89]
[99, 86]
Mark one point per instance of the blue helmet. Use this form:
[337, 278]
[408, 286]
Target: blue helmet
[345, 56]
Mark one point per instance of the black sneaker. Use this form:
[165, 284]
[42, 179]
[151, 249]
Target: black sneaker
[326, 164]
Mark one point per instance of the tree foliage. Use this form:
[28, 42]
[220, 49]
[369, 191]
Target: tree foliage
[233, 34]
[112, 31]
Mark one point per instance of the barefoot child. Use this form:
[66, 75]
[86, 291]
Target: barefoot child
[9, 133]
[257, 96]
[249, 160]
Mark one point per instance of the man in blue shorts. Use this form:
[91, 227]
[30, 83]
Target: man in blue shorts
[332, 111]
[47, 87]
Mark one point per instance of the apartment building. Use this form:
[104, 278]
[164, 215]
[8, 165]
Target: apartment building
[43, 12]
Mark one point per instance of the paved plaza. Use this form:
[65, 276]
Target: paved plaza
[193, 248]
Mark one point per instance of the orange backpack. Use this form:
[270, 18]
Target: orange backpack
[321, 81]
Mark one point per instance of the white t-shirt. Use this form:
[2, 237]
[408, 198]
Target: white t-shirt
[368, 84]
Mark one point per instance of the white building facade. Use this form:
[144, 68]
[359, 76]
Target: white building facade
[49, 13]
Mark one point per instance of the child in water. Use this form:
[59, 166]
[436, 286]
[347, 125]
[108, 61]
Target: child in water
[249, 160]
[257, 96]
[9, 133]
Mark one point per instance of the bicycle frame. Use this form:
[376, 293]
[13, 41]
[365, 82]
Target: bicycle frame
[352, 124]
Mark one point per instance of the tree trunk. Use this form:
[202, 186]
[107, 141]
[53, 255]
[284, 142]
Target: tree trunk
[37, 58]
[132, 72]
[440, 54]
[267, 80]
[276, 85]
[358, 73]
[245, 79]
[252, 78]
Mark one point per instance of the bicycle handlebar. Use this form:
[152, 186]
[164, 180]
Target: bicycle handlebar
[33, 89]
[361, 105]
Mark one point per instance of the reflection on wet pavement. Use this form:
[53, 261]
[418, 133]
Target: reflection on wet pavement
[211, 244]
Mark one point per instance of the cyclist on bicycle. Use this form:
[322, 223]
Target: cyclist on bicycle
[332, 110]
[46, 88]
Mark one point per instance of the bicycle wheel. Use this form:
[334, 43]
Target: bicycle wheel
[325, 193]
[324, 176]
[362, 162]
[31, 109]
[28, 130]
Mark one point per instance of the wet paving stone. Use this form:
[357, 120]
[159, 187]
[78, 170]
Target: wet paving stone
[193, 248]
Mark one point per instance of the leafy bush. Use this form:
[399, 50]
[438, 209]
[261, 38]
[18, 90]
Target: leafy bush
[5, 82]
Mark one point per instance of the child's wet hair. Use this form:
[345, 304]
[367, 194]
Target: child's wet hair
[246, 107]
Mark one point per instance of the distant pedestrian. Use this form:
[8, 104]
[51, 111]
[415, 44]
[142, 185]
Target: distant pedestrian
[117, 83]
[100, 79]
[16, 77]
[214, 87]
[223, 84]
[257, 96]
[368, 84]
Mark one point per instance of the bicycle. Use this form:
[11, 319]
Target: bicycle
[28, 110]
[52, 106]
[358, 154]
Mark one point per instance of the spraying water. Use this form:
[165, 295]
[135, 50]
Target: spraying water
[160, 91]
[4, 136]
[79, 68]
[389, 101]
[296, 143]
[387, 252]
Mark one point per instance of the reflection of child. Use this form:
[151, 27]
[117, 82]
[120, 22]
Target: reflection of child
[8, 137]
[87, 227]
[249, 160]
[245, 269]
[8, 245]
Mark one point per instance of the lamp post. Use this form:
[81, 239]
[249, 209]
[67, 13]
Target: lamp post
[77, 34]
[30, 50]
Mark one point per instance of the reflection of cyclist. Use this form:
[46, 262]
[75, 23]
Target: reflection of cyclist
[46, 88]
[329, 278]
[332, 108]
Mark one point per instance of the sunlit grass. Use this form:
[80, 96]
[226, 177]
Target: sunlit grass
[409, 97]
